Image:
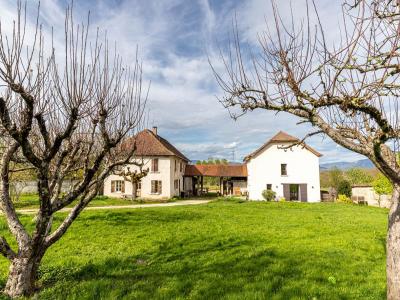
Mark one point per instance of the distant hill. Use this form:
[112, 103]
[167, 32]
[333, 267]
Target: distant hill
[344, 165]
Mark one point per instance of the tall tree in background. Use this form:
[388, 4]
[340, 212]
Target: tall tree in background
[348, 91]
[59, 117]
[358, 176]
[335, 177]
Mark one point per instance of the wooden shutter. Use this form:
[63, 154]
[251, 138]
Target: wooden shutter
[159, 187]
[153, 186]
[286, 191]
[154, 165]
[303, 192]
[123, 186]
[112, 186]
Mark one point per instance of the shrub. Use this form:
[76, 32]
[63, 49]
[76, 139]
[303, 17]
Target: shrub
[344, 188]
[282, 199]
[268, 195]
[344, 199]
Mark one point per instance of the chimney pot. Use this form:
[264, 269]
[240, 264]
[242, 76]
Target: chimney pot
[154, 130]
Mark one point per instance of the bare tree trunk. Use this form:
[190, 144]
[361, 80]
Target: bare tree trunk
[393, 248]
[22, 276]
[134, 190]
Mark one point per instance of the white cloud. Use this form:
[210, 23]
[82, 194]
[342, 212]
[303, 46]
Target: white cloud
[172, 37]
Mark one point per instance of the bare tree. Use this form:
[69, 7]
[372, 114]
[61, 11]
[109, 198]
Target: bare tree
[348, 91]
[133, 176]
[60, 116]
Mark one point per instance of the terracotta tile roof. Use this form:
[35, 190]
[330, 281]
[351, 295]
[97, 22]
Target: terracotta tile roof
[281, 137]
[150, 144]
[217, 170]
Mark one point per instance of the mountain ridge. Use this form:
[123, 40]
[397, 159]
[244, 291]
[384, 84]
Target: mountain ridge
[343, 165]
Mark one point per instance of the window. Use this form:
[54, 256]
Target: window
[269, 186]
[181, 166]
[154, 165]
[176, 184]
[156, 187]
[176, 166]
[117, 186]
[283, 169]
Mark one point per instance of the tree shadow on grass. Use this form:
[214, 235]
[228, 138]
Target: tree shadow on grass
[228, 268]
[140, 216]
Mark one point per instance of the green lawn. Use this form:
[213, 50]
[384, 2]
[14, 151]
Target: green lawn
[222, 250]
[27, 201]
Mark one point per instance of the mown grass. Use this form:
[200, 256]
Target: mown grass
[30, 201]
[222, 250]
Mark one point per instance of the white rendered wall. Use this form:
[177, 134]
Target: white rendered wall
[265, 168]
[163, 174]
[177, 175]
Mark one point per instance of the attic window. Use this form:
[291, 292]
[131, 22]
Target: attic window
[283, 169]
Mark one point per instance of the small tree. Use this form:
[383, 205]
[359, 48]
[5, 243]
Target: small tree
[335, 177]
[382, 186]
[133, 176]
[344, 188]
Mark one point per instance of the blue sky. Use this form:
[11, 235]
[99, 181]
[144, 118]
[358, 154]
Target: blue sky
[175, 38]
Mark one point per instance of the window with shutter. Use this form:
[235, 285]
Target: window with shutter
[154, 165]
[117, 186]
[156, 187]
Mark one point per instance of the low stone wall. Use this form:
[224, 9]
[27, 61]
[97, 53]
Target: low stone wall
[369, 195]
[30, 187]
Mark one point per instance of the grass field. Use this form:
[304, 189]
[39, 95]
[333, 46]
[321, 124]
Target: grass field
[28, 201]
[222, 250]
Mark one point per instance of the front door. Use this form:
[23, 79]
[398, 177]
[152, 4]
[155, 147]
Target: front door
[294, 192]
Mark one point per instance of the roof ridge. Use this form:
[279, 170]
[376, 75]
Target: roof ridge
[167, 145]
[281, 136]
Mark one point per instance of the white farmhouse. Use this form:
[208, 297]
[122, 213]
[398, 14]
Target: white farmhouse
[291, 172]
[166, 166]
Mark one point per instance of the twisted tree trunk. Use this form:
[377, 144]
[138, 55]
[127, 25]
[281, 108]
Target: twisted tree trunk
[134, 190]
[393, 247]
[22, 275]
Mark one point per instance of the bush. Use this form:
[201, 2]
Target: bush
[344, 188]
[282, 199]
[344, 199]
[268, 195]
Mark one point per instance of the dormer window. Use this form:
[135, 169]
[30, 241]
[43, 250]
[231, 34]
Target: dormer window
[283, 169]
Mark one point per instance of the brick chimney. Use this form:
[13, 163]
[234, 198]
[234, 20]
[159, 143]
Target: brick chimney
[154, 130]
